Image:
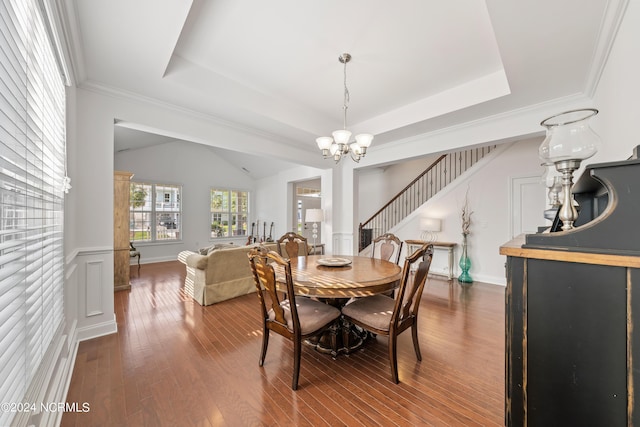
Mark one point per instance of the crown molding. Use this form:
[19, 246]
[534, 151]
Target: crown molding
[541, 109]
[119, 93]
[66, 19]
[609, 26]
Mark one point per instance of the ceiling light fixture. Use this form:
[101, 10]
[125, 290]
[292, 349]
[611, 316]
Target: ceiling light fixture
[339, 145]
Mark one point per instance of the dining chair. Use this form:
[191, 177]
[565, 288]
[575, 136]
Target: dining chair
[384, 315]
[387, 247]
[133, 253]
[293, 245]
[294, 318]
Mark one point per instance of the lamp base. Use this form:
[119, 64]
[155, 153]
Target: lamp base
[568, 213]
[429, 236]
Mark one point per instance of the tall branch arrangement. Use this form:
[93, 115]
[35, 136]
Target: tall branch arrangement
[466, 215]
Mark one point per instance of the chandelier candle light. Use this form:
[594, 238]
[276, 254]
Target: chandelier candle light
[340, 144]
[569, 141]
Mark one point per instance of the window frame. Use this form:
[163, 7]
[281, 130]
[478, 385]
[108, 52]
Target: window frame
[148, 215]
[229, 213]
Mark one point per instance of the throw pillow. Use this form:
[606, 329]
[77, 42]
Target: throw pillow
[215, 247]
[220, 247]
[205, 251]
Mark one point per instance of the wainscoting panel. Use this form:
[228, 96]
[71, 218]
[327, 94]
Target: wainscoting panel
[343, 244]
[94, 286]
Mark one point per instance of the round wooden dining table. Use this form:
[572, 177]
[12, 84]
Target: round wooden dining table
[335, 280]
[324, 277]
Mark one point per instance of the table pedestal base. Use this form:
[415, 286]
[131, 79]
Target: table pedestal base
[341, 337]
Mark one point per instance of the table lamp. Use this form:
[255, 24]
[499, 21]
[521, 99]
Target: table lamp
[430, 228]
[315, 216]
[569, 141]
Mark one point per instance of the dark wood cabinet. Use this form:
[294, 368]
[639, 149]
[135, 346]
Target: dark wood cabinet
[573, 310]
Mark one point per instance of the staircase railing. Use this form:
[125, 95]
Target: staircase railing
[437, 176]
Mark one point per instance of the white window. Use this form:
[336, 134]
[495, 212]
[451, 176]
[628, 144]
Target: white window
[229, 213]
[155, 212]
[32, 174]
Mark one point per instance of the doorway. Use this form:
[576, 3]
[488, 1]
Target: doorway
[527, 200]
[307, 195]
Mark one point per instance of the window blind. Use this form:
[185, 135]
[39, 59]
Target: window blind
[32, 173]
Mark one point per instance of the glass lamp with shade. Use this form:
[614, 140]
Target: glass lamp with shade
[569, 141]
[553, 181]
[324, 144]
[341, 137]
[430, 228]
[315, 216]
[364, 141]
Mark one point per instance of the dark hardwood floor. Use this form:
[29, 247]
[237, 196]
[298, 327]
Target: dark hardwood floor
[176, 363]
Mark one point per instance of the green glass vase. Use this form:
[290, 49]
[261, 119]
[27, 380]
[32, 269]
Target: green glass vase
[465, 264]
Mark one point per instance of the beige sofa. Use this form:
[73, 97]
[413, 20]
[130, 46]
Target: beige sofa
[221, 274]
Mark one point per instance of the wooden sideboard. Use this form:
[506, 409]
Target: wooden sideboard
[572, 300]
[121, 238]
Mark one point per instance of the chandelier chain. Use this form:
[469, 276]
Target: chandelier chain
[345, 104]
[340, 143]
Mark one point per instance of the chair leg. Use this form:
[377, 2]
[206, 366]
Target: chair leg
[393, 357]
[297, 350]
[416, 344]
[265, 344]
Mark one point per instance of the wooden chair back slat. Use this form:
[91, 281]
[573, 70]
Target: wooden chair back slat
[389, 246]
[412, 289]
[295, 245]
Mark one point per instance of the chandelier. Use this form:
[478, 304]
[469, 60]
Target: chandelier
[339, 145]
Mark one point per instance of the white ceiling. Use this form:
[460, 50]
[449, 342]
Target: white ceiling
[271, 67]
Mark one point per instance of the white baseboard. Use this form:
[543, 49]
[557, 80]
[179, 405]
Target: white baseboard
[48, 389]
[134, 262]
[492, 280]
[476, 278]
[62, 384]
[97, 330]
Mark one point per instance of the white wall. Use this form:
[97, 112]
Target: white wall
[489, 186]
[379, 184]
[196, 168]
[274, 198]
[618, 92]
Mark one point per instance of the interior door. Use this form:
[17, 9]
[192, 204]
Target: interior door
[528, 198]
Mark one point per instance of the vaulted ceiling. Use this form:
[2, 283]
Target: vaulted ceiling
[271, 67]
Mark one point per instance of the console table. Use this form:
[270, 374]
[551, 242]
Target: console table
[316, 249]
[413, 245]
